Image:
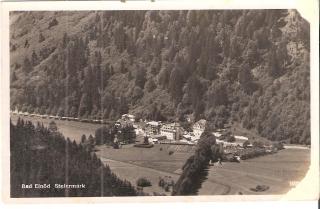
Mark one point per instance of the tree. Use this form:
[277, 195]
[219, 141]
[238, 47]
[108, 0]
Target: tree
[257, 143]
[27, 66]
[192, 17]
[91, 141]
[163, 77]
[83, 139]
[13, 77]
[83, 106]
[194, 90]
[103, 136]
[143, 182]
[146, 140]
[41, 37]
[37, 156]
[218, 94]
[140, 78]
[137, 93]
[175, 85]
[231, 138]
[273, 64]
[65, 40]
[150, 85]
[53, 22]
[127, 134]
[278, 145]
[53, 126]
[61, 112]
[195, 170]
[246, 144]
[251, 53]
[154, 113]
[246, 79]
[123, 68]
[123, 105]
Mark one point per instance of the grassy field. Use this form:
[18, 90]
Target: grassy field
[131, 163]
[72, 129]
[156, 157]
[275, 171]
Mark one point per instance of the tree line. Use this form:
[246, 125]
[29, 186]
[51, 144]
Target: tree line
[40, 155]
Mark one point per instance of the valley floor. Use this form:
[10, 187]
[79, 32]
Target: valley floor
[280, 171]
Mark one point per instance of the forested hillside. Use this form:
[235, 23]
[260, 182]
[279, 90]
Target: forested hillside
[246, 66]
[43, 156]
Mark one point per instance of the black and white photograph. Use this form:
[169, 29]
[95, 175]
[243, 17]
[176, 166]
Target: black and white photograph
[121, 103]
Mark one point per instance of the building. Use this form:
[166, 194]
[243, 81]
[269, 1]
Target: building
[243, 138]
[123, 123]
[129, 117]
[152, 128]
[198, 128]
[216, 134]
[173, 131]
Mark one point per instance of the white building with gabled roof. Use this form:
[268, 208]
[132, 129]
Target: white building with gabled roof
[172, 131]
[129, 117]
[152, 128]
[199, 127]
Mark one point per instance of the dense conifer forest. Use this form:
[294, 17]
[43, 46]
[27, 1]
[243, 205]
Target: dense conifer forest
[41, 155]
[245, 66]
[195, 169]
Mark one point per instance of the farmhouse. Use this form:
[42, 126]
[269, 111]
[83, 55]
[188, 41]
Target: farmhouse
[198, 128]
[122, 123]
[152, 128]
[172, 131]
[129, 117]
[230, 144]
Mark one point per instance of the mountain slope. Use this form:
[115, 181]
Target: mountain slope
[41, 156]
[249, 66]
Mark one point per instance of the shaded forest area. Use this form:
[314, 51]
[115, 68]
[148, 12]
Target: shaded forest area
[41, 155]
[196, 168]
[246, 66]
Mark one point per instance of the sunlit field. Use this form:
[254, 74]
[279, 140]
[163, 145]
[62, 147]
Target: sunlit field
[280, 171]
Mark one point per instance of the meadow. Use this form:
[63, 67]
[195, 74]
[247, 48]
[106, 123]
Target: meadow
[276, 170]
[131, 163]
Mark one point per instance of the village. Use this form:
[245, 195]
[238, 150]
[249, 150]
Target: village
[148, 133]
[154, 157]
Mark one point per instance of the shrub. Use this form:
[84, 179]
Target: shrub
[260, 188]
[245, 144]
[144, 145]
[167, 188]
[158, 194]
[278, 145]
[171, 152]
[160, 149]
[143, 182]
[231, 138]
[161, 182]
[41, 38]
[52, 23]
